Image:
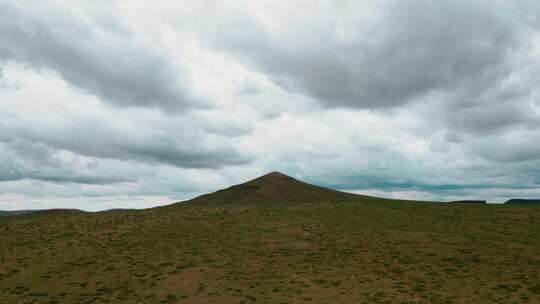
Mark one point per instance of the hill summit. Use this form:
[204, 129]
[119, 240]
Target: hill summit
[274, 188]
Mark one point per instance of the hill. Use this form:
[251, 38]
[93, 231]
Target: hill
[39, 212]
[275, 188]
[469, 202]
[523, 201]
[15, 212]
[58, 211]
[275, 240]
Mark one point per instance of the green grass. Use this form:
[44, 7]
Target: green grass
[357, 252]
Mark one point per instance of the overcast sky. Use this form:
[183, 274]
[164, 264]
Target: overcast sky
[117, 104]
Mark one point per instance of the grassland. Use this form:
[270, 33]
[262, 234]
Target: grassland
[350, 252]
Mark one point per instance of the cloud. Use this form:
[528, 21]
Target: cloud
[98, 138]
[376, 54]
[35, 161]
[95, 57]
[50, 118]
[408, 99]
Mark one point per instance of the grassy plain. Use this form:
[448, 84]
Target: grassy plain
[367, 251]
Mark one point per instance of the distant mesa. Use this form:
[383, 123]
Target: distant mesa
[469, 202]
[516, 201]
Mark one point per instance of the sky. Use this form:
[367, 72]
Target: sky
[134, 104]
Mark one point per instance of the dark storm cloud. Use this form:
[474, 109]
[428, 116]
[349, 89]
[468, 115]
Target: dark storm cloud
[67, 176]
[518, 147]
[28, 157]
[99, 138]
[184, 155]
[98, 59]
[485, 119]
[409, 49]
[36, 161]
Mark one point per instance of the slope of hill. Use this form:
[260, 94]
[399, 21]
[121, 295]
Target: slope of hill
[290, 245]
[275, 188]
